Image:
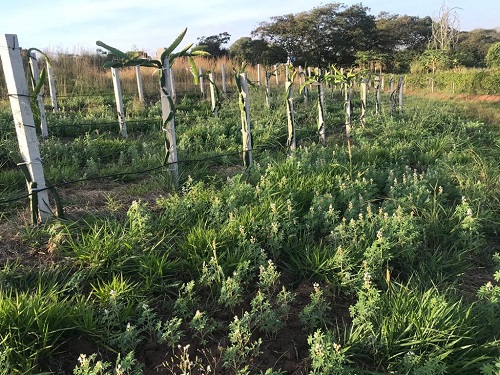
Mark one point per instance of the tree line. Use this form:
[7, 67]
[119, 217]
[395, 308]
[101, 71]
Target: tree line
[349, 35]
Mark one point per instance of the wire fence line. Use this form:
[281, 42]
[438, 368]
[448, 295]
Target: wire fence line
[180, 115]
[138, 172]
[83, 125]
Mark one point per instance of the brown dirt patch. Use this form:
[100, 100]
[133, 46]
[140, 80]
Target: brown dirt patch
[287, 351]
[464, 97]
[479, 98]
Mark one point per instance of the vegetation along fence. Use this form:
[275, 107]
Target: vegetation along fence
[307, 222]
[177, 82]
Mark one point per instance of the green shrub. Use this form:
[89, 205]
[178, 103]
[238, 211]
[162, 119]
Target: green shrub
[493, 56]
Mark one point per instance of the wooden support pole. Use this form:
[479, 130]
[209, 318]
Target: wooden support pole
[213, 97]
[377, 95]
[342, 86]
[302, 80]
[276, 75]
[173, 91]
[347, 104]
[52, 88]
[39, 98]
[245, 120]
[223, 71]
[400, 90]
[167, 109]
[140, 88]
[202, 86]
[301, 75]
[321, 113]
[268, 89]
[17, 87]
[291, 141]
[363, 101]
[258, 75]
[120, 109]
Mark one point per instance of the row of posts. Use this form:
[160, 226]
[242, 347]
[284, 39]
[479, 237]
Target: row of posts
[26, 128]
[379, 85]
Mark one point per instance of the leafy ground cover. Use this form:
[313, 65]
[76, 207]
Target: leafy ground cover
[377, 258]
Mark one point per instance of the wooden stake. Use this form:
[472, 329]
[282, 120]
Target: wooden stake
[245, 120]
[268, 89]
[363, 101]
[291, 141]
[213, 98]
[139, 83]
[120, 109]
[377, 95]
[173, 91]
[321, 113]
[223, 71]
[400, 90]
[202, 87]
[52, 88]
[347, 101]
[302, 79]
[17, 87]
[167, 109]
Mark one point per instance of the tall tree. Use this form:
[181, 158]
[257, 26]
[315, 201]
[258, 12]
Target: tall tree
[402, 38]
[285, 31]
[328, 34]
[353, 30]
[445, 29]
[473, 46]
[254, 51]
[397, 33]
[214, 44]
[440, 53]
[493, 56]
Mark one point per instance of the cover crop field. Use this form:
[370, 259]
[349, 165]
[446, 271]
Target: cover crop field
[375, 256]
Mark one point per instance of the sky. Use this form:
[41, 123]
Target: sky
[73, 26]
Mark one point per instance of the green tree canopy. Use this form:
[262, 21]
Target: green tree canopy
[332, 33]
[493, 56]
[473, 46]
[254, 51]
[402, 39]
[214, 44]
[398, 33]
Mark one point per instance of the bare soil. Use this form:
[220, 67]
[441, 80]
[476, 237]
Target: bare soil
[464, 97]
